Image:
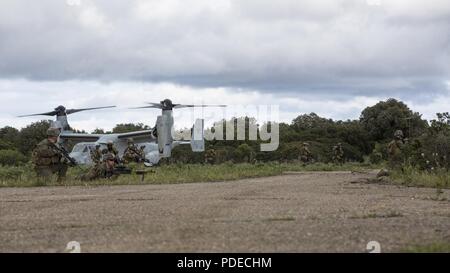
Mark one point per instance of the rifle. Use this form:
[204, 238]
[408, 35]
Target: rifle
[138, 154]
[143, 172]
[65, 154]
[121, 170]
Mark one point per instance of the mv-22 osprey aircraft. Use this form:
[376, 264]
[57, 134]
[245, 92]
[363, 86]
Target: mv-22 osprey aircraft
[158, 141]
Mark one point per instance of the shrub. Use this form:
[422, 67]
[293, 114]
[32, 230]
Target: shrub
[10, 173]
[12, 158]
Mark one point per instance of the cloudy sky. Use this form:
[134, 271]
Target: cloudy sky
[332, 57]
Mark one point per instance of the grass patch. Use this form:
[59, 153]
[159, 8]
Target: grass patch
[431, 248]
[439, 179]
[24, 176]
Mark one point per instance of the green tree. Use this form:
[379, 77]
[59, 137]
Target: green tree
[311, 121]
[98, 131]
[441, 124]
[32, 135]
[8, 137]
[6, 145]
[288, 133]
[384, 118]
[244, 153]
[129, 127]
[12, 157]
[354, 134]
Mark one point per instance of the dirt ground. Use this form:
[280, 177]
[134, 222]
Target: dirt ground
[296, 212]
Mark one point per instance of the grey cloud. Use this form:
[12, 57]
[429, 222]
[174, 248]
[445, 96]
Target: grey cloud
[337, 48]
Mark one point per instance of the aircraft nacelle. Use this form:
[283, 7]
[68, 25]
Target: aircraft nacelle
[61, 123]
[164, 127]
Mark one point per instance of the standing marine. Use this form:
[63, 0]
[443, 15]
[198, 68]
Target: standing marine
[48, 158]
[338, 154]
[395, 148]
[305, 154]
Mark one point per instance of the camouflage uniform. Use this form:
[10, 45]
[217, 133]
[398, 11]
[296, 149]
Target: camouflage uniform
[305, 154]
[110, 149]
[132, 153]
[102, 170]
[96, 155]
[395, 150]
[338, 154]
[210, 156]
[47, 160]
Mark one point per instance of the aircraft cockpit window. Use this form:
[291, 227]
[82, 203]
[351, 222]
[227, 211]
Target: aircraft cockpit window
[77, 148]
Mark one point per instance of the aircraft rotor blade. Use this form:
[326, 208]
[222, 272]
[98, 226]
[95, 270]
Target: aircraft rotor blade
[197, 105]
[144, 107]
[52, 113]
[61, 111]
[71, 111]
[158, 104]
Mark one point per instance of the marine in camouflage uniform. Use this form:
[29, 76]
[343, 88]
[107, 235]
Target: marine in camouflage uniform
[110, 149]
[102, 170]
[338, 154]
[47, 159]
[210, 156]
[305, 154]
[96, 155]
[132, 153]
[395, 150]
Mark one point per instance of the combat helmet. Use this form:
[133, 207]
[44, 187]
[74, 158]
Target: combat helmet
[53, 132]
[398, 134]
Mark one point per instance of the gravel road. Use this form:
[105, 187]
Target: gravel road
[295, 212]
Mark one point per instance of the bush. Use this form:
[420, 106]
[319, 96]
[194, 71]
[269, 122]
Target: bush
[379, 153]
[244, 153]
[6, 145]
[12, 158]
[11, 173]
[375, 157]
[411, 176]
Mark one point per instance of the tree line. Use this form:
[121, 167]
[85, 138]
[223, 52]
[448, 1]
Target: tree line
[363, 139]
